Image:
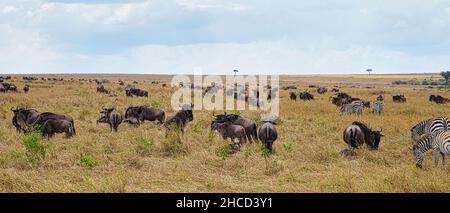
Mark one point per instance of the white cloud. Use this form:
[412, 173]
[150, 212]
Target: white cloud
[210, 4]
[24, 51]
[9, 9]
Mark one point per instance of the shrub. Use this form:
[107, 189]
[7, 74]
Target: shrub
[223, 151]
[144, 146]
[87, 160]
[35, 150]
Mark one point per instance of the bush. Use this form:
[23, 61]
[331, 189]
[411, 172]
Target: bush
[172, 146]
[87, 160]
[144, 146]
[223, 151]
[35, 150]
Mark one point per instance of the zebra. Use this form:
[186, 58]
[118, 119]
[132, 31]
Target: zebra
[354, 108]
[438, 141]
[429, 126]
[377, 107]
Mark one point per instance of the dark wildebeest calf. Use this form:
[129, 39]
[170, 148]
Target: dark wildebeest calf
[229, 130]
[267, 133]
[248, 124]
[53, 126]
[111, 117]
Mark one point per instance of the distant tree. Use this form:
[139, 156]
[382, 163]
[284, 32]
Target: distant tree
[235, 72]
[369, 71]
[445, 75]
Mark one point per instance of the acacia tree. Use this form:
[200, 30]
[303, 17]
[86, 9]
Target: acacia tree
[445, 75]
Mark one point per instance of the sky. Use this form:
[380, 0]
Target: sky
[218, 36]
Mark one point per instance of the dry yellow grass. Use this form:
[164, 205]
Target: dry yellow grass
[306, 157]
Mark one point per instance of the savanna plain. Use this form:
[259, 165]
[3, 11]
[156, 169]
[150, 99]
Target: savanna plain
[306, 154]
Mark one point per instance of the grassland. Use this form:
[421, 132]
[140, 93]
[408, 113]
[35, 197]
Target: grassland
[306, 156]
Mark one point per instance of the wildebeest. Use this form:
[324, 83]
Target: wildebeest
[267, 134]
[102, 89]
[352, 109]
[289, 87]
[335, 90]
[293, 96]
[145, 113]
[342, 98]
[112, 117]
[378, 107]
[322, 90]
[26, 88]
[32, 118]
[24, 118]
[248, 124]
[180, 119]
[399, 98]
[136, 92]
[380, 98]
[229, 130]
[9, 87]
[306, 96]
[52, 126]
[438, 99]
[358, 134]
[121, 83]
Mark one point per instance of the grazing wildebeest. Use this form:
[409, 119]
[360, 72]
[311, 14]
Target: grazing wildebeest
[43, 117]
[26, 88]
[180, 119]
[293, 96]
[438, 99]
[267, 134]
[378, 107]
[289, 87]
[248, 124]
[380, 98]
[341, 99]
[399, 98]
[352, 109]
[102, 89]
[121, 83]
[136, 92]
[335, 90]
[358, 134]
[9, 87]
[52, 126]
[112, 117]
[229, 130]
[322, 90]
[2, 88]
[26, 117]
[145, 113]
[306, 96]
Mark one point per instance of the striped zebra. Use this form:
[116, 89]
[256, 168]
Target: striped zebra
[354, 108]
[429, 126]
[377, 107]
[438, 141]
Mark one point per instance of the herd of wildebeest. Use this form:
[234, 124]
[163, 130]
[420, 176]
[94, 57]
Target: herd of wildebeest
[432, 133]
